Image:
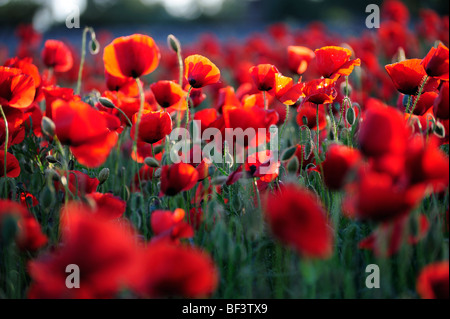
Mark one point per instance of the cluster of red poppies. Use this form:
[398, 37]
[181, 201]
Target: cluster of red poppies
[383, 160]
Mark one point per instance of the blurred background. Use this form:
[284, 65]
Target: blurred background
[187, 19]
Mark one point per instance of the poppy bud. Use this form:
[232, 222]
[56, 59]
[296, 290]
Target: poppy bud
[51, 159]
[157, 173]
[173, 43]
[106, 102]
[293, 165]
[151, 161]
[94, 46]
[103, 175]
[350, 116]
[439, 130]
[288, 153]
[48, 126]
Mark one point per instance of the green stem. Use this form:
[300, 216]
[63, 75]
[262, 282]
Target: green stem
[83, 56]
[422, 86]
[408, 106]
[124, 115]
[187, 107]
[258, 196]
[138, 122]
[5, 166]
[318, 130]
[283, 126]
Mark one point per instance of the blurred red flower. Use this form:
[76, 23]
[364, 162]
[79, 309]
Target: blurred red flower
[131, 56]
[12, 165]
[199, 71]
[57, 55]
[263, 165]
[333, 61]
[299, 58]
[105, 252]
[339, 161]
[436, 62]
[176, 271]
[108, 205]
[441, 103]
[433, 282]
[177, 178]
[79, 183]
[167, 225]
[297, 219]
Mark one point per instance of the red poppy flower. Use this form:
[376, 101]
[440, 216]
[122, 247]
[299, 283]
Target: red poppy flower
[200, 71]
[250, 117]
[408, 75]
[433, 282]
[299, 58]
[286, 91]
[28, 235]
[85, 130]
[339, 161]
[377, 197]
[53, 93]
[441, 103]
[12, 165]
[319, 91]
[395, 10]
[177, 271]
[383, 132]
[226, 96]
[206, 118]
[16, 88]
[309, 112]
[297, 219]
[131, 56]
[146, 173]
[436, 62]
[105, 252]
[27, 67]
[108, 205]
[177, 178]
[57, 55]
[426, 163]
[167, 225]
[264, 76]
[332, 62]
[169, 94]
[154, 126]
[79, 183]
[126, 85]
[424, 103]
[263, 165]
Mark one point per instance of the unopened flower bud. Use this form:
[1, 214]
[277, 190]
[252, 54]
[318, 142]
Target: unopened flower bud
[103, 175]
[48, 126]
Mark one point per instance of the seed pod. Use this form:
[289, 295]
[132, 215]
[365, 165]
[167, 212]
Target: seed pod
[152, 162]
[288, 153]
[350, 116]
[48, 126]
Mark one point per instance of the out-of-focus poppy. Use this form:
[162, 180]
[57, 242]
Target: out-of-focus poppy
[169, 94]
[264, 76]
[177, 178]
[199, 71]
[297, 219]
[85, 130]
[206, 118]
[12, 165]
[424, 103]
[433, 282]
[105, 252]
[28, 234]
[57, 55]
[177, 271]
[27, 67]
[154, 126]
[167, 225]
[126, 85]
[383, 132]
[441, 103]
[395, 10]
[436, 62]
[53, 93]
[319, 91]
[131, 56]
[408, 76]
[226, 96]
[79, 183]
[16, 88]
[339, 161]
[332, 62]
[108, 205]
[308, 113]
[299, 58]
[263, 165]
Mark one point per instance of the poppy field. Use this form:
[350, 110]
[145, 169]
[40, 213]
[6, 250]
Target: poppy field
[342, 190]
